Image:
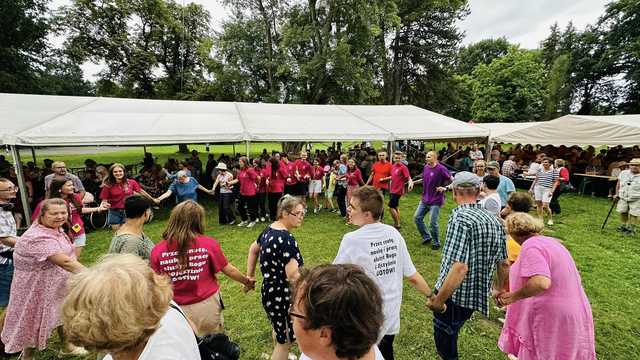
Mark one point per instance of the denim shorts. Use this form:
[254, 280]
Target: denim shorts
[6, 275]
[115, 217]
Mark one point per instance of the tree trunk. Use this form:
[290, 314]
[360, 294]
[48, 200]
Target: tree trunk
[289, 147]
[183, 148]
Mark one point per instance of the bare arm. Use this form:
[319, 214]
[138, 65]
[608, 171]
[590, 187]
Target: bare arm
[145, 194]
[66, 262]
[501, 280]
[235, 274]
[203, 188]
[252, 259]
[292, 271]
[454, 278]
[534, 286]
[417, 281]
[9, 240]
[164, 196]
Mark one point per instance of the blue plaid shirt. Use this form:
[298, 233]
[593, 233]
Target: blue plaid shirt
[474, 237]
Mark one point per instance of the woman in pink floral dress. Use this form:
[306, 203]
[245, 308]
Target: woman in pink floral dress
[43, 259]
[548, 313]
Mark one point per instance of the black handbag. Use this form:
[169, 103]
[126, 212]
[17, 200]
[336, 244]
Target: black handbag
[214, 346]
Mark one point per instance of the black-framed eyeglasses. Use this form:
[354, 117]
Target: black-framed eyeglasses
[298, 214]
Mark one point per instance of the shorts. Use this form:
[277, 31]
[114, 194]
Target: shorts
[630, 207]
[116, 217]
[206, 315]
[6, 275]
[315, 187]
[80, 240]
[394, 201]
[542, 193]
[328, 194]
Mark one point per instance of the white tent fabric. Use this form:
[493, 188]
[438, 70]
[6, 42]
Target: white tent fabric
[41, 120]
[579, 130]
[500, 129]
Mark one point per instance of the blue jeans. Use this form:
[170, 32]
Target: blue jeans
[446, 328]
[6, 275]
[418, 218]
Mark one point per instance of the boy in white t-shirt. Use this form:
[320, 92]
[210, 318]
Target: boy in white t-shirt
[491, 201]
[382, 253]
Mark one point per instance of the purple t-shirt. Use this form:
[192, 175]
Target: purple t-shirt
[432, 178]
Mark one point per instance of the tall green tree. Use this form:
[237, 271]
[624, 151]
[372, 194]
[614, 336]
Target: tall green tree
[511, 88]
[482, 52]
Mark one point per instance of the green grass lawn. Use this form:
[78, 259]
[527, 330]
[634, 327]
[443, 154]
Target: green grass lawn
[608, 262]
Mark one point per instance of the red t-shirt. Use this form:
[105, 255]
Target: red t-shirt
[381, 170]
[198, 280]
[117, 193]
[276, 183]
[399, 175]
[247, 178]
[353, 177]
[564, 174]
[318, 173]
[262, 184]
[291, 173]
[304, 169]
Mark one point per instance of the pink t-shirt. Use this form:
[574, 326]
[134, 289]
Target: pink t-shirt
[75, 218]
[556, 324]
[197, 281]
[247, 178]
[291, 173]
[305, 169]
[276, 183]
[117, 193]
[353, 177]
[399, 175]
[318, 173]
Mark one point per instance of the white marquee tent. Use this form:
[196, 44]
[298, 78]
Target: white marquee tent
[45, 120]
[499, 129]
[572, 130]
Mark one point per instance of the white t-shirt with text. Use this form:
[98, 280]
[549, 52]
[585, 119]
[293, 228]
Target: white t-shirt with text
[381, 251]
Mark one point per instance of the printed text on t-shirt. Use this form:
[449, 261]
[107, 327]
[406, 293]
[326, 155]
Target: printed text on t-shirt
[384, 254]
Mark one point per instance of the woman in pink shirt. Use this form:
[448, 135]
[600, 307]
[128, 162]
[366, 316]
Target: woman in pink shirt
[276, 176]
[248, 202]
[191, 260]
[116, 187]
[354, 178]
[315, 185]
[548, 314]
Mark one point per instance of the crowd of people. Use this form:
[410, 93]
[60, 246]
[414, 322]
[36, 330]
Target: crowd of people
[347, 310]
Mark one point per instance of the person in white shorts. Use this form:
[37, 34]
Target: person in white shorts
[628, 195]
[315, 185]
[542, 188]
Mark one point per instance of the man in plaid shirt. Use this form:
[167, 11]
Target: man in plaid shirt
[475, 245]
[8, 238]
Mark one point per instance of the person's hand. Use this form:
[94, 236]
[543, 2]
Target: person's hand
[105, 204]
[441, 189]
[436, 306]
[530, 191]
[507, 298]
[410, 187]
[103, 207]
[156, 201]
[249, 285]
[616, 196]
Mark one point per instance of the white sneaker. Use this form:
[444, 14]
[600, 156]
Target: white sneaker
[251, 224]
[262, 219]
[550, 222]
[243, 223]
[315, 211]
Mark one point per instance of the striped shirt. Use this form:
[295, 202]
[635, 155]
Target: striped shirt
[7, 229]
[547, 178]
[474, 237]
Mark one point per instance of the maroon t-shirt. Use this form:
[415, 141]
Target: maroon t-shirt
[399, 175]
[247, 179]
[117, 193]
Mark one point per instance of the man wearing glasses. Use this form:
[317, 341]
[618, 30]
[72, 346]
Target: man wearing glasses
[8, 237]
[60, 169]
[382, 253]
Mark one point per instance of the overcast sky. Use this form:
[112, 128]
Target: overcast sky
[525, 22]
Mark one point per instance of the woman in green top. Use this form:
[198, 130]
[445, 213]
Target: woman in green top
[130, 237]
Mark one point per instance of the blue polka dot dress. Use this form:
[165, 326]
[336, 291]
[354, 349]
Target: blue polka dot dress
[277, 248]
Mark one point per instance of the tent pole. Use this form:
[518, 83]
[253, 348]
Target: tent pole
[488, 146]
[24, 196]
[234, 149]
[247, 147]
[144, 148]
[33, 154]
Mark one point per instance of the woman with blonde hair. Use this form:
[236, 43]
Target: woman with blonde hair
[280, 260]
[43, 258]
[548, 313]
[191, 260]
[480, 168]
[116, 187]
[121, 307]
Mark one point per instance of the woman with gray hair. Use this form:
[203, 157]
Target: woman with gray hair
[280, 260]
[184, 186]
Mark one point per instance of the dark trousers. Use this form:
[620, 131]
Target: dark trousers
[225, 211]
[386, 347]
[248, 205]
[262, 204]
[446, 327]
[554, 204]
[273, 205]
[341, 195]
[290, 189]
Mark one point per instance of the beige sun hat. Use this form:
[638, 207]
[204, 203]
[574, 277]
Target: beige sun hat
[635, 161]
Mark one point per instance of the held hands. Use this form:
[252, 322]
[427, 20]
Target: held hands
[105, 205]
[156, 201]
[435, 305]
[441, 189]
[250, 284]
[410, 187]
[506, 298]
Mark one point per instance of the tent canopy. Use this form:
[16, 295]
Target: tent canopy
[579, 130]
[44, 120]
[500, 129]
